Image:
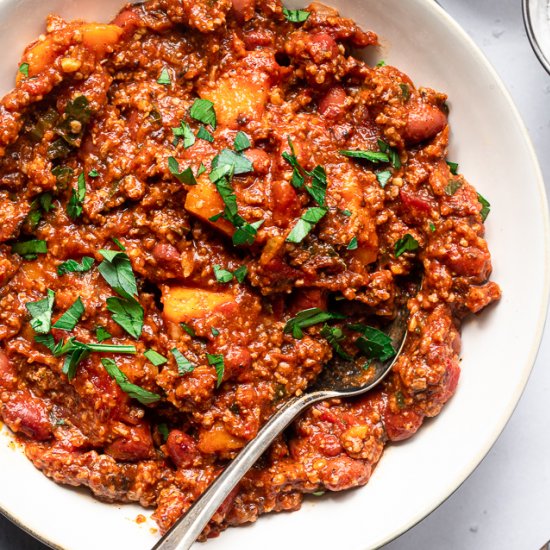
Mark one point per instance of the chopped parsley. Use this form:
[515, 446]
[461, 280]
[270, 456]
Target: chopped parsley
[185, 176]
[183, 131]
[407, 243]
[308, 318]
[452, 187]
[346, 213]
[42, 204]
[156, 358]
[164, 78]
[246, 233]
[74, 208]
[352, 244]
[225, 276]
[486, 207]
[381, 63]
[241, 142]
[93, 173]
[432, 227]
[203, 133]
[24, 69]
[184, 365]
[453, 167]
[405, 92]
[296, 16]
[306, 223]
[216, 361]
[395, 161]
[231, 162]
[29, 249]
[383, 178]
[373, 342]
[101, 334]
[72, 124]
[163, 431]
[371, 156]
[297, 177]
[63, 175]
[334, 336]
[128, 313]
[71, 317]
[41, 313]
[203, 111]
[145, 397]
[71, 266]
[188, 329]
[118, 243]
[240, 273]
[215, 332]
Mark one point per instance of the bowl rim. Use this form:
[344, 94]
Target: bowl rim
[538, 180]
[531, 34]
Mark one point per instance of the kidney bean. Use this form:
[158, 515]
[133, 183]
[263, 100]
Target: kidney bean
[424, 122]
[332, 104]
[8, 374]
[167, 256]
[181, 448]
[27, 415]
[136, 445]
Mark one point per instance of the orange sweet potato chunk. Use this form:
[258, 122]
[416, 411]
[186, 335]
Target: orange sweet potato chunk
[98, 37]
[238, 97]
[184, 304]
[204, 201]
[218, 440]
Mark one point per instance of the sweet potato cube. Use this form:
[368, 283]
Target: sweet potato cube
[98, 37]
[240, 97]
[41, 55]
[218, 440]
[183, 304]
[204, 201]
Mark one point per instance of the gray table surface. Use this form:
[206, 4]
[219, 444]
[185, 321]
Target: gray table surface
[505, 504]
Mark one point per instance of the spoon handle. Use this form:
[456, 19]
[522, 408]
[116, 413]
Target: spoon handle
[186, 530]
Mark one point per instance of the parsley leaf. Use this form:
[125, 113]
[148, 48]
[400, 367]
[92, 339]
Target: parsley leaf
[216, 360]
[145, 397]
[101, 334]
[128, 313]
[405, 92]
[71, 266]
[203, 133]
[383, 178]
[215, 332]
[308, 318]
[184, 131]
[29, 249]
[371, 156]
[41, 313]
[156, 358]
[184, 365]
[346, 213]
[318, 186]
[240, 273]
[72, 123]
[163, 431]
[222, 275]
[237, 162]
[203, 111]
[74, 208]
[93, 173]
[306, 223]
[296, 16]
[185, 176]
[432, 227]
[297, 176]
[373, 342]
[70, 318]
[392, 153]
[116, 269]
[352, 244]
[164, 78]
[188, 329]
[453, 167]
[24, 69]
[334, 336]
[486, 207]
[452, 187]
[241, 142]
[406, 244]
[246, 233]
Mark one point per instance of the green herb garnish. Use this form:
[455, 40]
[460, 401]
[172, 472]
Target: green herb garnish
[486, 207]
[93, 173]
[373, 342]
[383, 178]
[74, 208]
[164, 78]
[216, 361]
[41, 313]
[241, 142]
[156, 358]
[391, 152]
[188, 329]
[184, 365]
[70, 318]
[352, 244]
[405, 92]
[101, 334]
[371, 156]
[24, 69]
[185, 176]
[453, 167]
[308, 318]
[29, 249]
[452, 187]
[71, 266]
[203, 133]
[306, 223]
[128, 313]
[334, 336]
[296, 16]
[222, 275]
[407, 243]
[183, 131]
[145, 397]
[203, 111]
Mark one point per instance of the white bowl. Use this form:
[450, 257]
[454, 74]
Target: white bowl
[499, 346]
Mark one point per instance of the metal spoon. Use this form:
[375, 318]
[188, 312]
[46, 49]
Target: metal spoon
[342, 379]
